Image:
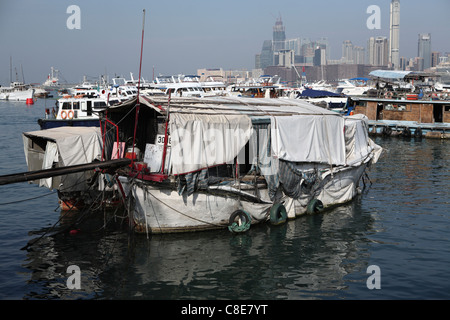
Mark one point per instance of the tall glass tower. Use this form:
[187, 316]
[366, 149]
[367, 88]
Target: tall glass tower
[279, 36]
[394, 41]
[425, 49]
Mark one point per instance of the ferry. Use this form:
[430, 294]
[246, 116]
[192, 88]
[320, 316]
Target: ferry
[78, 111]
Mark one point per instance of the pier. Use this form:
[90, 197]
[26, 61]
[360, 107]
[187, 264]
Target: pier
[409, 128]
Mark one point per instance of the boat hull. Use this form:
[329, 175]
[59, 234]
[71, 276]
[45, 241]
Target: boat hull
[17, 95]
[56, 123]
[158, 210]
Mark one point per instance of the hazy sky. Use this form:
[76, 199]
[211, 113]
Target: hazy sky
[182, 36]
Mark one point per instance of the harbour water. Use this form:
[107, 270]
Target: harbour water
[400, 223]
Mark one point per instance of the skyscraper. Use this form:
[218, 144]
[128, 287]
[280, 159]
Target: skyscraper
[424, 49]
[394, 41]
[279, 36]
[266, 57]
[347, 52]
[378, 51]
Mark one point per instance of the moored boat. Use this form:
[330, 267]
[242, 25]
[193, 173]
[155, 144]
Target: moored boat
[229, 162]
[17, 91]
[400, 108]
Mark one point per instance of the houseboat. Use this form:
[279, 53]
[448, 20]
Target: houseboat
[228, 162]
[61, 147]
[406, 107]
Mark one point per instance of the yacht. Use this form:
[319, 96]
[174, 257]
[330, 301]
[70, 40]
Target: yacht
[17, 91]
[213, 87]
[353, 87]
[180, 86]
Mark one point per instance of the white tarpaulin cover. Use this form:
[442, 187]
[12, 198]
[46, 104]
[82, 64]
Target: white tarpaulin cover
[200, 141]
[309, 138]
[359, 147]
[75, 145]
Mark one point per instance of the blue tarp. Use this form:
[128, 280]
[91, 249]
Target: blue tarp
[318, 93]
[362, 79]
[388, 74]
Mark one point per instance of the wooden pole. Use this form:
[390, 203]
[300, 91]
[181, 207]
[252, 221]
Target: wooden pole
[53, 172]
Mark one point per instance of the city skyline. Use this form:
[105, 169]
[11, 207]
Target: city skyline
[181, 37]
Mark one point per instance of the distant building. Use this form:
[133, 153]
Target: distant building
[394, 39]
[266, 56]
[347, 52]
[403, 63]
[378, 51]
[284, 58]
[352, 54]
[359, 54]
[320, 57]
[424, 49]
[279, 36]
[435, 56]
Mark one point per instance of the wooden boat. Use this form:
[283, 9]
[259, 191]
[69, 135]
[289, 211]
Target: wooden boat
[212, 163]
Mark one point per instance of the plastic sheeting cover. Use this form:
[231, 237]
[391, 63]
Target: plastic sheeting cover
[309, 138]
[200, 141]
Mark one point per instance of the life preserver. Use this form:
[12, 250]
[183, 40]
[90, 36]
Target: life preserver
[389, 95]
[70, 114]
[240, 221]
[63, 114]
[278, 214]
[314, 206]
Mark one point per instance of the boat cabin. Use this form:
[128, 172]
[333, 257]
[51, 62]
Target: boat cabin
[84, 108]
[420, 111]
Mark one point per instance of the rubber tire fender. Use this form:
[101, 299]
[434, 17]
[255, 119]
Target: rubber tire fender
[245, 218]
[278, 214]
[314, 206]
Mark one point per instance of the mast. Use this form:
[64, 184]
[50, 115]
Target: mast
[139, 83]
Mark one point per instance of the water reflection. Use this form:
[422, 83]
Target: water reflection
[304, 258]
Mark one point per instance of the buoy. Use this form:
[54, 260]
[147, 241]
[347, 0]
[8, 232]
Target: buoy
[74, 231]
[29, 101]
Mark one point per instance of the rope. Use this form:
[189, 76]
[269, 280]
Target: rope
[23, 200]
[183, 214]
